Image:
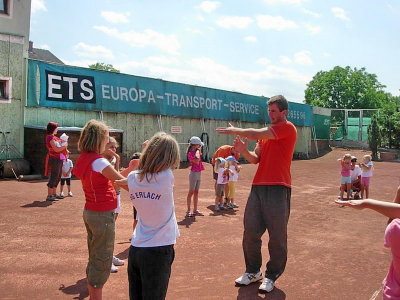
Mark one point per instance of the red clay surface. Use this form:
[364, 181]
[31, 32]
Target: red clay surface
[334, 253]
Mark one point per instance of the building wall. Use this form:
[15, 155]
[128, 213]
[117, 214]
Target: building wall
[138, 128]
[12, 64]
[18, 22]
[14, 40]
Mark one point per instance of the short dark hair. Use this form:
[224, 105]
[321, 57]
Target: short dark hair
[51, 127]
[280, 101]
[136, 155]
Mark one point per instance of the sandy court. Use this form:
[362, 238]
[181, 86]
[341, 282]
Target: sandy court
[334, 253]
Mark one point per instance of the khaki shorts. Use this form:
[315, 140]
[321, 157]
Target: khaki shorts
[219, 190]
[100, 227]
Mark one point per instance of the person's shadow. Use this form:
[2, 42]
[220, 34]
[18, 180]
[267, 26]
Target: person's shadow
[124, 254]
[39, 204]
[222, 212]
[250, 292]
[187, 221]
[79, 288]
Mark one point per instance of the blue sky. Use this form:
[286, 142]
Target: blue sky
[258, 47]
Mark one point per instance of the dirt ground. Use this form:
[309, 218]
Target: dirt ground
[334, 253]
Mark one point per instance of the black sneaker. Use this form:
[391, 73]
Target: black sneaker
[58, 196]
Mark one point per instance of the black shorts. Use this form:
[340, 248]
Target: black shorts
[66, 180]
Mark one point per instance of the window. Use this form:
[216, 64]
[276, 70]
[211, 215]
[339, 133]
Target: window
[4, 7]
[5, 89]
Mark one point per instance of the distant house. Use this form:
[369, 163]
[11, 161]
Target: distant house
[43, 55]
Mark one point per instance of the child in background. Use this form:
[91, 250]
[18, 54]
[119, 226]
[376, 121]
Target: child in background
[66, 176]
[391, 287]
[111, 155]
[64, 141]
[194, 157]
[222, 180]
[151, 253]
[366, 174]
[234, 170]
[345, 178]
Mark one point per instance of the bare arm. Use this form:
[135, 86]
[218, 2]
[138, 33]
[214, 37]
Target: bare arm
[397, 197]
[57, 149]
[110, 173]
[249, 133]
[241, 146]
[388, 209]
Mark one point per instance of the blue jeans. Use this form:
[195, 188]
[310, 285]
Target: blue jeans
[149, 269]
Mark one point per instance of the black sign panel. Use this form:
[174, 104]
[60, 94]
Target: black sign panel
[64, 87]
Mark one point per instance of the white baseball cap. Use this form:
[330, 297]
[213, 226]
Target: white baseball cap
[195, 140]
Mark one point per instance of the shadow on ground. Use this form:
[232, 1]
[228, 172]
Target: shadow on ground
[39, 204]
[222, 212]
[250, 292]
[186, 221]
[79, 289]
[124, 254]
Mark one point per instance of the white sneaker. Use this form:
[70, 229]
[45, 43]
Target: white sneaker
[70, 194]
[117, 262]
[266, 286]
[114, 269]
[62, 194]
[248, 278]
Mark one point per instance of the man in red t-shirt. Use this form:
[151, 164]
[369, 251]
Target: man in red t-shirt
[268, 206]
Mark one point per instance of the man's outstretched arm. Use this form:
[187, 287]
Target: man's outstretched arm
[265, 133]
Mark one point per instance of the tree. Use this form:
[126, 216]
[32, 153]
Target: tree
[389, 122]
[345, 88]
[374, 137]
[103, 67]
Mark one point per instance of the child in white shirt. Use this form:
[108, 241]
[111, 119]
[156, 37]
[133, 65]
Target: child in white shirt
[222, 179]
[152, 246]
[366, 174]
[234, 170]
[66, 176]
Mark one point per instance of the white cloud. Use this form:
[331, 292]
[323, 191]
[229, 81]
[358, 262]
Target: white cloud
[194, 31]
[311, 13]
[297, 2]
[234, 22]
[200, 18]
[251, 39]
[115, 17]
[263, 61]
[300, 58]
[209, 6]
[45, 47]
[203, 71]
[312, 29]
[38, 5]
[279, 23]
[79, 63]
[340, 13]
[285, 59]
[149, 37]
[84, 50]
[327, 54]
[303, 58]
